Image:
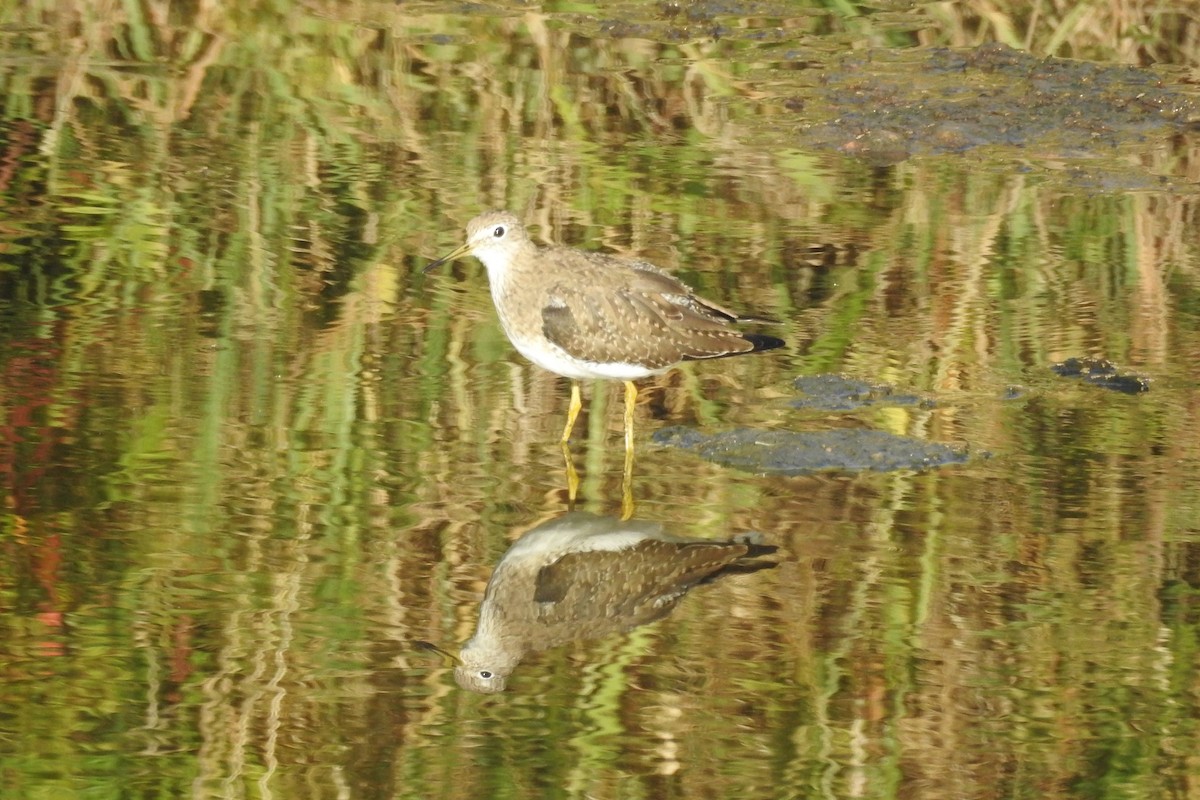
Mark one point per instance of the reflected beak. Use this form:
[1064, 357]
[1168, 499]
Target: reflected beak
[459, 252]
[429, 647]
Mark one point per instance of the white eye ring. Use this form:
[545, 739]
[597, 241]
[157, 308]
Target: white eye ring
[483, 673]
[498, 232]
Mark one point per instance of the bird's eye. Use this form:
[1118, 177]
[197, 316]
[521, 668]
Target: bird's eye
[485, 674]
[498, 232]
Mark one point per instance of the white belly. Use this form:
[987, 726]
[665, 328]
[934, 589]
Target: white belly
[551, 357]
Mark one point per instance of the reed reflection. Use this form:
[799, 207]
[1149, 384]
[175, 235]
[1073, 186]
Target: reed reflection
[582, 576]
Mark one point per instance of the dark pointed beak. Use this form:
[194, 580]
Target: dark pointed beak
[459, 252]
[430, 647]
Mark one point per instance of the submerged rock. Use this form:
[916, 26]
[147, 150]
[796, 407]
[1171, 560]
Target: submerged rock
[838, 393]
[802, 453]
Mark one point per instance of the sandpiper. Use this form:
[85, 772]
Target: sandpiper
[582, 576]
[591, 315]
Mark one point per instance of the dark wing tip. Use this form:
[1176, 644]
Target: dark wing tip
[762, 342]
[759, 550]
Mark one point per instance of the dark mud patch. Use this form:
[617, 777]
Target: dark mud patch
[1103, 373]
[888, 106]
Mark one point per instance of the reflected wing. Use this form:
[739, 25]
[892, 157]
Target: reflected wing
[640, 582]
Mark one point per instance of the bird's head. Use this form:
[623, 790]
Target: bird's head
[495, 238]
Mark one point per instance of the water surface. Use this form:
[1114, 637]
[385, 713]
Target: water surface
[251, 454]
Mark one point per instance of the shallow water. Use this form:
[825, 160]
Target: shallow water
[251, 455]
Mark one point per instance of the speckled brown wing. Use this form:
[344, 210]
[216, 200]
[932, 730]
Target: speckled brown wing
[646, 317]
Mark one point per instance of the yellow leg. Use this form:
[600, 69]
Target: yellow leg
[630, 402]
[627, 486]
[572, 411]
[572, 478]
[627, 476]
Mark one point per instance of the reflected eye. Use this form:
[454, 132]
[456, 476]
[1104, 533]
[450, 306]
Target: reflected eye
[498, 233]
[485, 674]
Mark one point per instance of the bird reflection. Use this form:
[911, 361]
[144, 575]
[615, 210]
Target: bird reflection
[582, 576]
